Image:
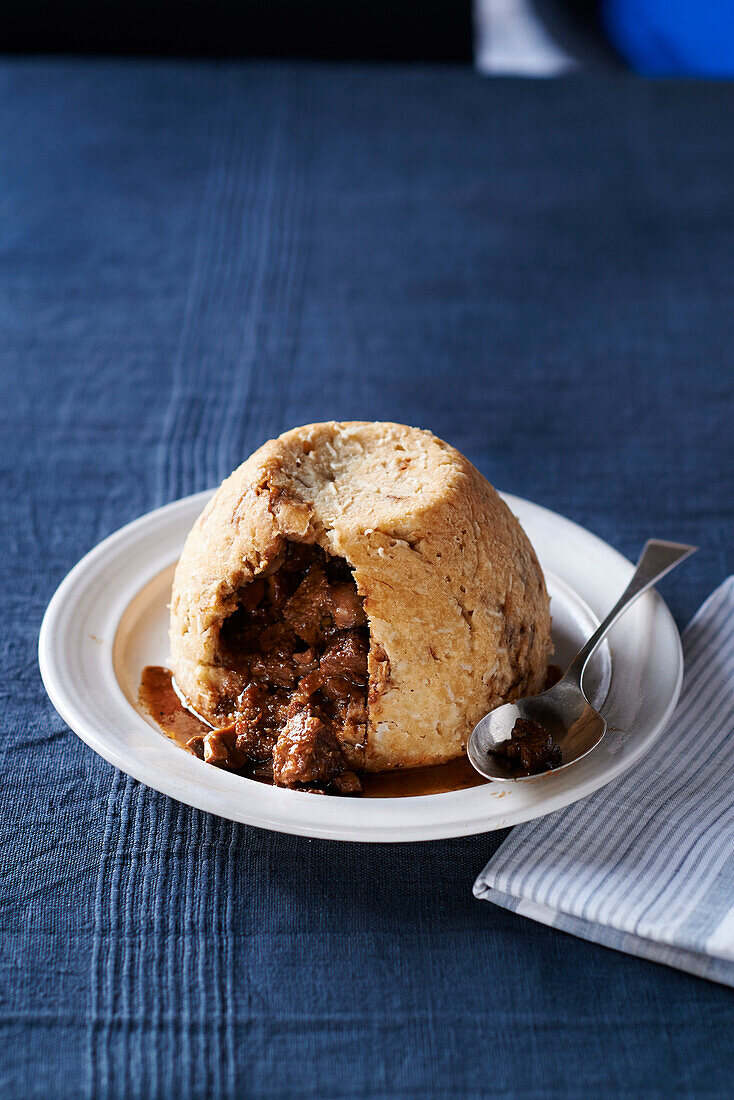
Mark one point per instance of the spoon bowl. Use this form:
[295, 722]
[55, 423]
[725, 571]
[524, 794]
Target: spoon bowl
[563, 711]
[561, 725]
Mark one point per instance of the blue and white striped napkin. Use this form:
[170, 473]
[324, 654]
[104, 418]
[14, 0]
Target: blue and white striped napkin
[646, 865]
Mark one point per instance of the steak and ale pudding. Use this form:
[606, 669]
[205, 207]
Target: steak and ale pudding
[353, 599]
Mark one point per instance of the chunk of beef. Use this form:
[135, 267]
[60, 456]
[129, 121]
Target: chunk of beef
[218, 747]
[345, 656]
[530, 748]
[308, 611]
[345, 606]
[273, 661]
[307, 751]
[257, 721]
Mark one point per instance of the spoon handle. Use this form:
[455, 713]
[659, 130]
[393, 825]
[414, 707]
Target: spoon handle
[657, 559]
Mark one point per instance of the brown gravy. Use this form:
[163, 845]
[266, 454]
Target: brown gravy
[159, 699]
[457, 775]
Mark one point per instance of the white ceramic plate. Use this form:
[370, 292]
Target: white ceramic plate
[109, 618]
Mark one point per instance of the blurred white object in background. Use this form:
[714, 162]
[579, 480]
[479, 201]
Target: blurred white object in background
[510, 40]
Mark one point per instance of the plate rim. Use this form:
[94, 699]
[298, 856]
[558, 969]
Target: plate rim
[166, 784]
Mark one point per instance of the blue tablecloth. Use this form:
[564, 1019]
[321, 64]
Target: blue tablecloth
[194, 257]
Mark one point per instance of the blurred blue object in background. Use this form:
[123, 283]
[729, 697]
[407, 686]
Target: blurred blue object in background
[673, 37]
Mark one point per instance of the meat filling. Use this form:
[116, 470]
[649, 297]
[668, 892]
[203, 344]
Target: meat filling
[296, 649]
[530, 749]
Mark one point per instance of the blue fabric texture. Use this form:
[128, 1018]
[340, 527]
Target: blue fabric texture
[194, 257]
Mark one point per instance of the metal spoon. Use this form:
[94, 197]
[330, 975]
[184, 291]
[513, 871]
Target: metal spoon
[563, 710]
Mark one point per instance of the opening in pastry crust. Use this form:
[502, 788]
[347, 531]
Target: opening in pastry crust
[297, 649]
